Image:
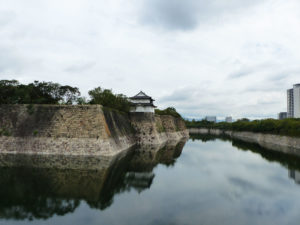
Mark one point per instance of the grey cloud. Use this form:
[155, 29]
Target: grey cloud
[263, 88]
[241, 73]
[178, 96]
[9, 62]
[246, 70]
[225, 70]
[244, 184]
[200, 101]
[6, 17]
[274, 82]
[174, 14]
[80, 67]
[188, 94]
[186, 15]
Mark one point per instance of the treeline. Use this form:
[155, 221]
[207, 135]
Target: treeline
[168, 111]
[289, 127]
[13, 92]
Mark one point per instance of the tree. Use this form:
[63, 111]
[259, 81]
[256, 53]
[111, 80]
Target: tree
[107, 98]
[12, 92]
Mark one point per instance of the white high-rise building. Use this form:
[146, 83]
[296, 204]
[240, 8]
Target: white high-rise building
[296, 91]
[290, 103]
[293, 102]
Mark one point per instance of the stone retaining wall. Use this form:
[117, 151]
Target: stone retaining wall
[66, 130]
[279, 143]
[81, 129]
[157, 129]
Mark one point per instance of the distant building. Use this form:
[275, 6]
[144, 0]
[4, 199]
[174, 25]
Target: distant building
[228, 119]
[282, 115]
[296, 89]
[142, 103]
[290, 103]
[293, 102]
[211, 118]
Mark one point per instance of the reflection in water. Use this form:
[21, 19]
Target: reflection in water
[139, 180]
[38, 187]
[294, 174]
[291, 162]
[213, 182]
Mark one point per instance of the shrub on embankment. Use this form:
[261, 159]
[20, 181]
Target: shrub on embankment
[288, 127]
[168, 111]
[108, 99]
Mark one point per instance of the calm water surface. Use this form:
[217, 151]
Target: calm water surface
[205, 181]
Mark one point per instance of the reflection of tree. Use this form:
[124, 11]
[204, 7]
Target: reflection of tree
[286, 160]
[26, 193]
[291, 162]
[203, 137]
[208, 137]
[40, 193]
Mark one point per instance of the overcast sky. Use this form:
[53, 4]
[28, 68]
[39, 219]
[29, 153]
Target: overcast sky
[204, 57]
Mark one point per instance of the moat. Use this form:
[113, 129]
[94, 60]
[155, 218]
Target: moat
[206, 180]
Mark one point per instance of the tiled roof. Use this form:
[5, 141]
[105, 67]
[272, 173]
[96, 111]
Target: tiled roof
[141, 95]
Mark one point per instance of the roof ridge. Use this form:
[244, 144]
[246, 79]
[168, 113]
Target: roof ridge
[141, 93]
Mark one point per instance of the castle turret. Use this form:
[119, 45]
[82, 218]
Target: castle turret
[142, 103]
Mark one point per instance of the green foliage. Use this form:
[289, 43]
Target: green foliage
[168, 111]
[160, 128]
[30, 109]
[82, 101]
[289, 127]
[107, 98]
[12, 92]
[4, 132]
[35, 132]
[199, 124]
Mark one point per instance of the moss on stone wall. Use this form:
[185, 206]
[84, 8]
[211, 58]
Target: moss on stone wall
[4, 132]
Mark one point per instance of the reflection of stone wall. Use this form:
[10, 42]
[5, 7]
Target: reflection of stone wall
[274, 142]
[146, 157]
[43, 186]
[69, 162]
[46, 185]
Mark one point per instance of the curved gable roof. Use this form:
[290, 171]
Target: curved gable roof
[141, 95]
